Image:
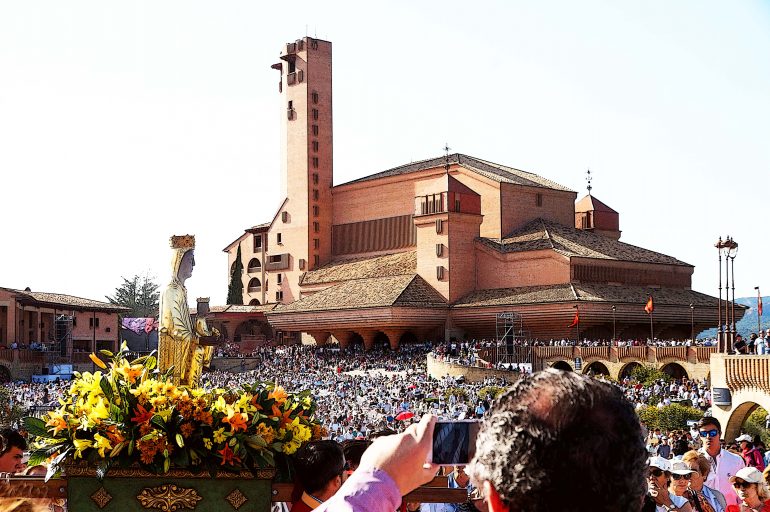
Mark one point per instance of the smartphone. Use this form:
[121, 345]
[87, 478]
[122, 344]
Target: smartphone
[454, 442]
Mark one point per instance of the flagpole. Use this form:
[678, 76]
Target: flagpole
[759, 310]
[652, 332]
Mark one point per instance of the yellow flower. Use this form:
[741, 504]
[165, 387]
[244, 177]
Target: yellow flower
[57, 421]
[80, 445]
[102, 443]
[291, 446]
[219, 405]
[219, 435]
[98, 412]
[128, 371]
[266, 432]
[207, 443]
[98, 362]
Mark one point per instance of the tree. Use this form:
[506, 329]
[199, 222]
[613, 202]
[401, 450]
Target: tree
[235, 288]
[140, 294]
[10, 415]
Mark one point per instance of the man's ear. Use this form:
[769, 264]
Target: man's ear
[494, 502]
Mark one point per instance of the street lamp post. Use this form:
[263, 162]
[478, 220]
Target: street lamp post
[613, 324]
[692, 324]
[577, 325]
[720, 337]
[727, 330]
[759, 310]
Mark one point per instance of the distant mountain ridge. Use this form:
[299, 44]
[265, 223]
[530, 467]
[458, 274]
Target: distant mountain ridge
[748, 324]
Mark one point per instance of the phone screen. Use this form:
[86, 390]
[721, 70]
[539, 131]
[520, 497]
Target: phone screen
[454, 442]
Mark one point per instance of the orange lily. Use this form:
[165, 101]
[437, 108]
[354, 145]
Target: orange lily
[228, 456]
[142, 414]
[237, 420]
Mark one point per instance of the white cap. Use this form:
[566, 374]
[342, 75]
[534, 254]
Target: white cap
[660, 463]
[748, 474]
[744, 437]
[679, 467]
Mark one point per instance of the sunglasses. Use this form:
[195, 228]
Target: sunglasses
[709, 433]
[679, 477]
[656, 472]
[742, 485]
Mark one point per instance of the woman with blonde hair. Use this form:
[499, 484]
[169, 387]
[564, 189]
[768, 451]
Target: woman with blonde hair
[752, 491]
[701, 497]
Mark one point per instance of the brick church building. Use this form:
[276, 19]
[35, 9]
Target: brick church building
[440, 248]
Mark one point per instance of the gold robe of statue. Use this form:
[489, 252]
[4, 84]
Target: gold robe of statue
[177, 335]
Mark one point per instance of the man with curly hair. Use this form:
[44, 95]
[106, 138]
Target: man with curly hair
[558, 441]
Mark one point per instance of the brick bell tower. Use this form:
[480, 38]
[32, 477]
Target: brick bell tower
[300, 236]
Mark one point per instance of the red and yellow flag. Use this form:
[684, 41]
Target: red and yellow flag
[649, 307]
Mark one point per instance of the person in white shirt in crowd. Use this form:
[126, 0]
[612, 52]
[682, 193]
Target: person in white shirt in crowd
[724, 464]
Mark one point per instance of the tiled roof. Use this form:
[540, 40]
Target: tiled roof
[236, 308]
[403, 263]
[587, 293]
[401, 291]
[541, 234]
[59, 299]
[590, 203]
[491, 170]
[521, 295]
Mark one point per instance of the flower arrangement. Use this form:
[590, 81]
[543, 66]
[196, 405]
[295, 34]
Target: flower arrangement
[127, 415]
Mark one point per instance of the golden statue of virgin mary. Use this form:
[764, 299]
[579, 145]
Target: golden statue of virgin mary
[178, 338]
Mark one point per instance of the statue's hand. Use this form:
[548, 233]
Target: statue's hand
[215, 332]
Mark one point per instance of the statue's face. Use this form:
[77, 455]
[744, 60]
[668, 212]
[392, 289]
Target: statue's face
[186, 267]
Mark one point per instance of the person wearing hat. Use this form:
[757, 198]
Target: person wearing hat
[681, 475]
[750, 454]
[702, 498]
[752, 491]
[724, 464]
[659, 478]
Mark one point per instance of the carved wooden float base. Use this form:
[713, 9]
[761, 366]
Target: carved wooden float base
[178, 490]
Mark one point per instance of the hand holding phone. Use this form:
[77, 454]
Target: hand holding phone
[454, 442]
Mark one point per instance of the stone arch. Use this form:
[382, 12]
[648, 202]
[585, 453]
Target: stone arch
[254, 265]
[408, 337]
[674, 370]
[354, 339]
[738, 417]
[254, 302]
[629, 367]
[254, 285]
[562, 365]
[597, 368]
[381, 338]
[5, 375]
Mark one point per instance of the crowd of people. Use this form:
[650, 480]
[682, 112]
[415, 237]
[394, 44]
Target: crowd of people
[388, 395]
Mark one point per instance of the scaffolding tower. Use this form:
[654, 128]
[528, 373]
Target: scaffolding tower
[512, 342]
[62, 340]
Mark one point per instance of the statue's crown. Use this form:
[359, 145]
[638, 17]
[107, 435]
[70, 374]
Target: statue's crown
[183, 242]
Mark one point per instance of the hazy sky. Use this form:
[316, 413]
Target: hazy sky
[124, 123]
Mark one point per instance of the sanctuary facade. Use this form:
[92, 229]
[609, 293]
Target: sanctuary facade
[439, 249]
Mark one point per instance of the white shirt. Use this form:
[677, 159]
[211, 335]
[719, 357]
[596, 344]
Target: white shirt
[677, 501]
[727, 464]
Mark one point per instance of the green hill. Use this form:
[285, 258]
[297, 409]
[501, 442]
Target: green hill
[748, 323]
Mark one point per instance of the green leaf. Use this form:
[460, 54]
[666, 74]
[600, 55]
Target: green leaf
[151, 362]
[106, 388]
[35, 426]
[158, 422]
[131, 448]
[180, 440]
[166, 464]
[107, 353]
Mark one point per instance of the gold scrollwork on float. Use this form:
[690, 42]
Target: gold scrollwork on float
[169, 497]
[236, 498]
[101, 497]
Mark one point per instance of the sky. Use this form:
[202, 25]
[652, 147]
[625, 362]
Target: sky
[122, 123]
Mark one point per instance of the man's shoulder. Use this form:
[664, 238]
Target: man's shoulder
[728, 455]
